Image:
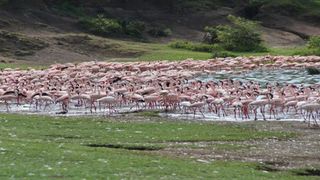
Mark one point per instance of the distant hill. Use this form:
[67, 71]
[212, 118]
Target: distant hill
[39, 25]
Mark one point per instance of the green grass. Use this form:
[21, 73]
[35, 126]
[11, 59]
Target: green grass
[290, 51]
[126, 50]
[22, 66]
[151, 113]
[133, 50]
[156, 52]
[167, 53]
[275, 51]
[40, 147]
[141, 51]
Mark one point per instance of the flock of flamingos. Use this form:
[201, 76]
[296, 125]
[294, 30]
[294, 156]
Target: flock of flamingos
[167, 86]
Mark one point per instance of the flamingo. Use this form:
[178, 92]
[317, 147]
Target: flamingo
[7, 99]
[110, 102]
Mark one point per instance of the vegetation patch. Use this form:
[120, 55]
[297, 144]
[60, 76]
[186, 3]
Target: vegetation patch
[226, 40]
[64, 136]
[149, 113]
[289, 7]
[164, 52]
[117, 149]
[67, 8]
[90, 44]
[201, 47]
[107, 27]
[314, 42]
[101, 25]
[308, 172]
[14, 44]
[184, 6]
[270, 166]
[307, 52]
[242, 35]
[159, 31]
[134, 28]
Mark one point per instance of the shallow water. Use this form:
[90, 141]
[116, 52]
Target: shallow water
[282, 76]
[297, 77]
[54, 110]
[230, 118]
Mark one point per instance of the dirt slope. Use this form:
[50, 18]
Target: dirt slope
[35, 33]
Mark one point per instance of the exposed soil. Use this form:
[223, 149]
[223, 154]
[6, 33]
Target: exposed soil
[40, 35]
[298, 152]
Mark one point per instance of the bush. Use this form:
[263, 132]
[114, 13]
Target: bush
[314, 42]
[106, 27]
[192, 46]
[223, 54]
[180, 44]
[101, 25]
[69, 9]
[134, 28]
[242, 35]
[185, 6]
[211, 35]
[158, 31]
[287, 7]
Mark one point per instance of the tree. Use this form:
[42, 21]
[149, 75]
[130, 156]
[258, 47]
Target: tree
[241, 35]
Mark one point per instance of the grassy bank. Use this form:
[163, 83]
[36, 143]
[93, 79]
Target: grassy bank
[95, 148]
[126, 51]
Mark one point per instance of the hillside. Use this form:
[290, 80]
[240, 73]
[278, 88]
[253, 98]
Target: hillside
[48, 31]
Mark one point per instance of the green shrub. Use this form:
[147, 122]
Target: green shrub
[106, 26]
[184, 6]
[134, 28]
[242, 35]
[69, 9]
[179, 44]
[211, 36]
[223, 54]
[101, 25]
[192, 46]
[160, 31]
[287, 7]
[314, 42]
